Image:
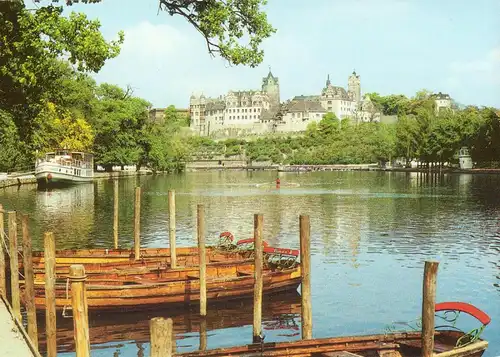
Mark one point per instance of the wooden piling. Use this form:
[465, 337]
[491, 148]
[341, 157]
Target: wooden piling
[29, 282]
[115, 214]
[3, 282]
[305, 266]
[429, 307]
[137, 223]
[258, 284]
[202, 260]
[161, 331]
[171, 228]
[14, 265]
[79, 306]
[50, 293]
[203, 334]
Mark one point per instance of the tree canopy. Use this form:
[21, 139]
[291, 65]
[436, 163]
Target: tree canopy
[223, 25]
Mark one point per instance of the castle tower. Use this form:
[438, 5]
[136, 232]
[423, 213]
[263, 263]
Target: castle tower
[271, 86]
[354, 86]
[328, 83]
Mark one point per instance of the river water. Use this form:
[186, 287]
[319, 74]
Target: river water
[371, 233]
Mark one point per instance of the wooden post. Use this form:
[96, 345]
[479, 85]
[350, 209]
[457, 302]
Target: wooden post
[137, 223]
[202, 260]
[161, 331]
[171, 229]
[50, 293]
[203, 333]
[29, 282]
[3, 283]
[115, 214]
[14, 266]
[257, 290]
[429, 308]
[305, 266]
[79, 306]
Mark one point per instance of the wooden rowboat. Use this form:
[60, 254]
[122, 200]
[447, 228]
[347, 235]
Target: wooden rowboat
[406, 344]
[449, 341]
[279, 312]
[225, 282]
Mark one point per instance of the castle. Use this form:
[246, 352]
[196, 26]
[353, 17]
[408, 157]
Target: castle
[260, 111]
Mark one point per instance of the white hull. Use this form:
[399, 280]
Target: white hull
[48, 173]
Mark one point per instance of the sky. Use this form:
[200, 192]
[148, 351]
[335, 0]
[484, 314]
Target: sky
[396, 46]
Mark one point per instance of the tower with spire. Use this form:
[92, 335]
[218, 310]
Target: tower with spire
[354, 86]
[271, 86]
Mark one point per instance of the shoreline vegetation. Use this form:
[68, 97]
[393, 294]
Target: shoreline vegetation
[54, 103]
[31, 180]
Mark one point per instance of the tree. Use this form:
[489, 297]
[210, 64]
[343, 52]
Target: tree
[223, 24]
[32, 72]
[119, 121]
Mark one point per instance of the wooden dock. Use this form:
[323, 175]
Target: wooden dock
[13, 341]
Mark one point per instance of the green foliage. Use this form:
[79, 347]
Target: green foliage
[224, 24]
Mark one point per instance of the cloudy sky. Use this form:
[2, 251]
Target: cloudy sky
[397, 46]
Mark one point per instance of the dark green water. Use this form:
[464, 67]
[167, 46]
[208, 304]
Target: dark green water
[371, 233]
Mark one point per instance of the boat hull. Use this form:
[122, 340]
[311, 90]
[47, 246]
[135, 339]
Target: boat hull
[231, 282]
[48, 177]
[393, 345]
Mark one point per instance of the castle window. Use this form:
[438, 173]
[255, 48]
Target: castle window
[238, 116]
[329, 102]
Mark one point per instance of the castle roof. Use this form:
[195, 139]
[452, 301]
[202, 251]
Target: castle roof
[338, 92]
[269, 78]
[314, 98]
[441, 96]
[215, 105]
[305, 106]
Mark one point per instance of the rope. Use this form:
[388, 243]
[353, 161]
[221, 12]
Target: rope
[67, 297]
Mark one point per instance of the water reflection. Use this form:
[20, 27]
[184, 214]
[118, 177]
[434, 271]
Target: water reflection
[371, 233]
[281, 317]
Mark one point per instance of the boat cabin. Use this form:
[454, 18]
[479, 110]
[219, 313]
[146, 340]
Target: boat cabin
[69, 158]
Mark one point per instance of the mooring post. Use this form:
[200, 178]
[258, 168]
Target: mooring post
[115, 213]
[14, 265]
[161, 331]
[79, 306]
[305, 267]
[203, 333]
[171, 228]
[29, 282]
[137, 223]
[50, 293]
[202, 260]
[429, 307]
[258, 266]
[3, 282]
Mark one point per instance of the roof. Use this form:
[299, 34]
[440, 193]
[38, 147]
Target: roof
[305, 106]
[215, 106]
[315, 98]
[441, 96]
[338, 92]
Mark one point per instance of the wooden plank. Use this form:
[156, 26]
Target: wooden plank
[202, 259]
[339, 354]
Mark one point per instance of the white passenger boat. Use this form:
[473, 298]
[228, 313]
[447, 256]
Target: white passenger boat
[65, 167]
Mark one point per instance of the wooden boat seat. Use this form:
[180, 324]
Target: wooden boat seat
[241, 272]
[339, 354]
[438, 347]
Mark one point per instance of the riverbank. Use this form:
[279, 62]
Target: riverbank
[31, 179]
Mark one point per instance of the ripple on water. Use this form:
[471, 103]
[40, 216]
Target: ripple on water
[370, 233]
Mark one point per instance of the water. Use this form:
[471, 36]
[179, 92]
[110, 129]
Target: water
[371, 233]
